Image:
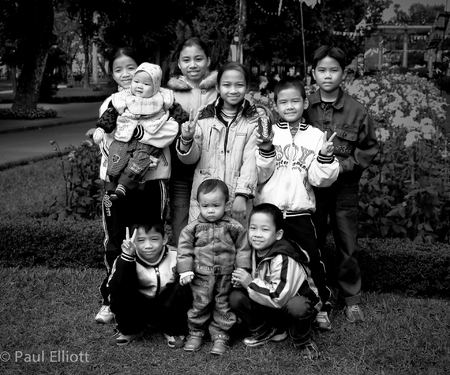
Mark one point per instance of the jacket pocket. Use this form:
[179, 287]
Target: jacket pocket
[348, 134]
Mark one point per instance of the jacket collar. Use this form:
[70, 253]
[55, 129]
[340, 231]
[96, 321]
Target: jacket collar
[246, 109]
[225, 217]
[315, 99]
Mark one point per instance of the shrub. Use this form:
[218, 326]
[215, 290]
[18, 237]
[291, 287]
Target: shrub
[82, 197]
[395, 265]
[29, 242]
[32, 114]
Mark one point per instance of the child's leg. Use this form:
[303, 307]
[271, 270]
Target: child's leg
[223, 317]
[202, 292]
[180, 194]
[344, 225]
[301, 314]
[119, 154]
[175, 301]
[301, 230]
[132, 311]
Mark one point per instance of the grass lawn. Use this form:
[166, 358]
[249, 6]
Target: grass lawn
[49, 310]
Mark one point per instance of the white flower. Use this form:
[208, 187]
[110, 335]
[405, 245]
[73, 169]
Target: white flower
[411, 137]
[382, 134]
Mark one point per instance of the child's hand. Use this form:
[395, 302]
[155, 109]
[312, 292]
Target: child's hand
[188, 128]
[328, 147]
[98, 135]
[186, 280]
[128, 246]
[239, 209]
[241, 277]
[264, 143]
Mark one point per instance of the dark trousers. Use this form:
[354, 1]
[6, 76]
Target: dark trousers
[139, 205]
[302, 230]
[340, 203]
[133, 311]
[297, 315]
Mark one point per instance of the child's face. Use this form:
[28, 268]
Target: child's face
[142, 85]
[290, 105]
[262, 233]
[122, 70]
[149, 244]
[232, 88]
[328, 74]
[193, 63]
[212, 205]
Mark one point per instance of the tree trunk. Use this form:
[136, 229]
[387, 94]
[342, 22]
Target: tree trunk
[86, 84]
[38, 17]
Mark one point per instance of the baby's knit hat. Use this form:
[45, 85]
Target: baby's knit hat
[155, 73]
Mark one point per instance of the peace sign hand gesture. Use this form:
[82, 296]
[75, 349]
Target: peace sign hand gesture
[188, 127]
[328, 147]
[128, 246]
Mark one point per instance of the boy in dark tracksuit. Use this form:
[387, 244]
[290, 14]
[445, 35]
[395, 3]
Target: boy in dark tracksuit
[332, 110]
[279, 295]
[144, 287]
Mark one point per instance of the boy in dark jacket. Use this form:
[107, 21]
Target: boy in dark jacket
[334, 111]
[279, 295]
[144, 287]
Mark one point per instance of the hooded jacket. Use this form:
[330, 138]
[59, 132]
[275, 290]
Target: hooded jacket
[190, 98]
[281, 275]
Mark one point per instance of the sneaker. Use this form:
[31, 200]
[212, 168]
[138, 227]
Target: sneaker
[354, 314]
[175, 341]
[308, 350]
[105, 315]
[272, 334]
[220, 347]
[120, 339]
[322, 322]
[193, 343]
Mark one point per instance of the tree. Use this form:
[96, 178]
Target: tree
[33, 44]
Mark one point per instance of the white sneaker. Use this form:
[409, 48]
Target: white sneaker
[105, 315]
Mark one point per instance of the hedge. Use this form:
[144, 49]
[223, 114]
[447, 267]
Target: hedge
[386, 265]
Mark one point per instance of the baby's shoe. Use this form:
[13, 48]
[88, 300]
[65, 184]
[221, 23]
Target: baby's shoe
[220, 345]
[194, 342]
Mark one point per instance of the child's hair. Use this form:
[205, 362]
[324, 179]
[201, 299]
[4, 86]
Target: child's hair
[233, 65]
[156, 224]
[190, 42]
[271, 210]
[289, 82]
[124, 51]
[212, 184]
[329, 51]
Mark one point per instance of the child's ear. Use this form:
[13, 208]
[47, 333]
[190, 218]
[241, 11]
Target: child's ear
[217, 88]
[280, 234]
[314, 74]
[165, 239]
[344, 74]
[305, 104]
[209, 62]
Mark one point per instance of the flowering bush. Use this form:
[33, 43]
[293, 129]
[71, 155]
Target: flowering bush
[405, 193]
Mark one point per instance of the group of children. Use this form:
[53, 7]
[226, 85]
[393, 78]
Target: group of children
[259, 202]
